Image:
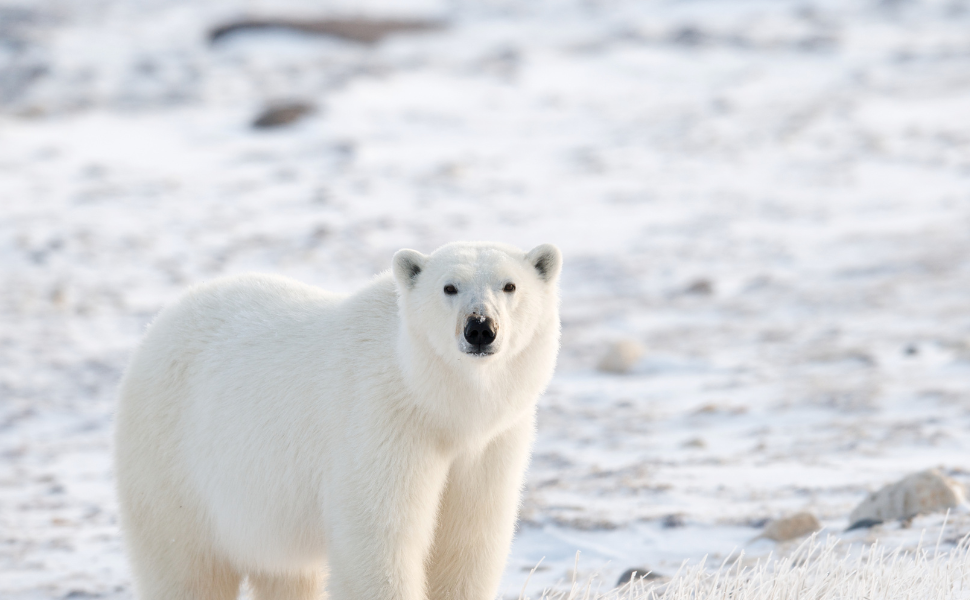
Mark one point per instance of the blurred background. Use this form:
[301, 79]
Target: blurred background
[764, 208]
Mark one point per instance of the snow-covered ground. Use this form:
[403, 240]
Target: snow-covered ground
[773, 197]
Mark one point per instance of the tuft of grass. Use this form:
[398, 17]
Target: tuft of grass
[816, 570]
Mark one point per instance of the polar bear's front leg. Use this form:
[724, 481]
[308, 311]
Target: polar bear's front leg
[382, 523]
[477, 518]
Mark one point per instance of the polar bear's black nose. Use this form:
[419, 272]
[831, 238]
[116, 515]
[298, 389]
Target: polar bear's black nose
[479, 331]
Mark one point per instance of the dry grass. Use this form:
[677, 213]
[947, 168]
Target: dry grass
[817, 570]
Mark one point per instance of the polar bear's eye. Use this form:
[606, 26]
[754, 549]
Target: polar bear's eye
[509, 287]
[451, 290]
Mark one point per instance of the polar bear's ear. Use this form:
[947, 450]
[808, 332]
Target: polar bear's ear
[547, 260]
[407, 266]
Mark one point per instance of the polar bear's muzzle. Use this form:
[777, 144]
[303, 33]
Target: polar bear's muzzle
[480, 332]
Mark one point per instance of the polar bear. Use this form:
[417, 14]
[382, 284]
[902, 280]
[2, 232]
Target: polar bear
[271, 430]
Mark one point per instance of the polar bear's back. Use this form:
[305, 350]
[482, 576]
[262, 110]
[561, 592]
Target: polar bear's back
[239, 327]
[246, 307]
[223, 374]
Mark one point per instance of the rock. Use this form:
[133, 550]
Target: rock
[689, 36]
[917, 494]
[621, 356]
[641, 573]
[700, 287]
[864, 524]
[673, 521]
[361, 31]
[282, 113]
[789, 528]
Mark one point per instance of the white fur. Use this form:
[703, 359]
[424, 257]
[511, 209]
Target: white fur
[270, 429]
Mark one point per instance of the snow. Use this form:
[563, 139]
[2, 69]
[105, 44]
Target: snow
[810, 161]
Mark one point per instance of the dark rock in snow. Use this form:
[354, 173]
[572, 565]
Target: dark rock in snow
[673, 521]
[280, 114]
[362, 31]
[864, 524]
[700, 287]
[640, 573]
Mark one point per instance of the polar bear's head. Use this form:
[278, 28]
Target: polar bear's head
[478, 302]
